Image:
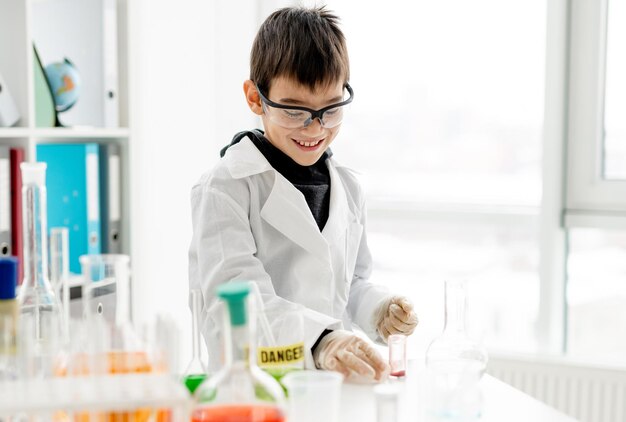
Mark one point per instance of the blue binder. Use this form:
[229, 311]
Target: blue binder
[73, 185]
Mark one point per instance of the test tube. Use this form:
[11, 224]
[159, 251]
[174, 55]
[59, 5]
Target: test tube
[60, 268]
[397, 354]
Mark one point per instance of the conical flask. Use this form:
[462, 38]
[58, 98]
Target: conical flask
[41, 319]
[453, 350]
[196, 371]
[239, 391]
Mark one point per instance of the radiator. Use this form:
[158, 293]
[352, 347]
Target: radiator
[587, 393]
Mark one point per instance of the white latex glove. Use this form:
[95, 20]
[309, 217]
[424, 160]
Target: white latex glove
[343, 351]
[395, 316]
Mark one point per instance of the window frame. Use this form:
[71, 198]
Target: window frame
[591, 199]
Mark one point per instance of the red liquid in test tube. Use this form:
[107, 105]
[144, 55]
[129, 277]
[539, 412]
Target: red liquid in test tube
[397, 354]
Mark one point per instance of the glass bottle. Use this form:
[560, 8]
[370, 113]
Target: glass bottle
[239, 391]
[39, 307]
[8, 318]
[196, 372]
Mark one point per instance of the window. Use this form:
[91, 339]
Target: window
[595, 213]
[470, 176]
[446, 129]
[615, 99]
[417, 255]
[597, 98]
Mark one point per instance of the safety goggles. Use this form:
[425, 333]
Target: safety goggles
[294, 117]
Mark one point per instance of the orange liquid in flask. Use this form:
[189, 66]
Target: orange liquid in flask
[238, 413]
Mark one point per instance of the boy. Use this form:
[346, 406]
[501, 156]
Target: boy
[279, 211]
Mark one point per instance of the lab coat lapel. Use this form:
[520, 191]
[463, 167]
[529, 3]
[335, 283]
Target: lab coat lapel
[338, 213]
[287, 211]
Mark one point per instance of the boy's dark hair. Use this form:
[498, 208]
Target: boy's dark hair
[302, 44]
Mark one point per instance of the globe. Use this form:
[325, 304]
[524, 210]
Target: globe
[64, 82]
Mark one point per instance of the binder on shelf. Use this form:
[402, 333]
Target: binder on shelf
[9, 114]
[5, 202]
[110, 197]
[109, 55]
[17, 158]
[73, 186]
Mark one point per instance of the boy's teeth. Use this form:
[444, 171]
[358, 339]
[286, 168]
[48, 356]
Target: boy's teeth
[307, 144]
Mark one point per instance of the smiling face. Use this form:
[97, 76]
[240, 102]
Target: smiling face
[303, 145]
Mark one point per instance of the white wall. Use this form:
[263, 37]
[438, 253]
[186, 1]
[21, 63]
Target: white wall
[189, 59]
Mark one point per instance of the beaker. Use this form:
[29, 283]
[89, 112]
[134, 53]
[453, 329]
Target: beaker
[387, 402]
[314, 395]
[239, 391]
[106, 287]
[397, 354]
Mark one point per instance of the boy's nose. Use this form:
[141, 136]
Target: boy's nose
[314, 128]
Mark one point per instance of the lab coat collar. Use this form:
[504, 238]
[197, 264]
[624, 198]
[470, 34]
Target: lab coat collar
[286, 208]
[244, 159]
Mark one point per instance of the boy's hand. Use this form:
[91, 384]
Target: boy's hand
[395, 316]
[344, 352]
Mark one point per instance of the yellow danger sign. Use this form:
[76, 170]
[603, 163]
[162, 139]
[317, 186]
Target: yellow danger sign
[280, 355]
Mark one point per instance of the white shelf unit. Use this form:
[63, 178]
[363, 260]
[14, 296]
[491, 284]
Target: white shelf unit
[16, 66]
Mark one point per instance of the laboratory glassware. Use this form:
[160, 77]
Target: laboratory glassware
[106, 287]
[454, 347]
[397, 354]
[8, 318]
[60, 269]
[387, 402]
[239, 391]
[39, 306]
[196, 371]
[314, 395]
[455, 362]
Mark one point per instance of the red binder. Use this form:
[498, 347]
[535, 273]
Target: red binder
[17, 157]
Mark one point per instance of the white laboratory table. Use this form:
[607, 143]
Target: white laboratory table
[501, 403]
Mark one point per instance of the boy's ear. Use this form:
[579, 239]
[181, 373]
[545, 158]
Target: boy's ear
[252, 97]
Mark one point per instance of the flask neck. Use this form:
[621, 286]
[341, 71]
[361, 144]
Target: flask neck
[35, 238]
[239, 349]
[455, 307]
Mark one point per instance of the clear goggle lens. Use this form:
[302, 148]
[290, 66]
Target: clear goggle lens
[293, 119]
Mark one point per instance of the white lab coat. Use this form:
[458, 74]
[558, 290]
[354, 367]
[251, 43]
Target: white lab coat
[250, 223]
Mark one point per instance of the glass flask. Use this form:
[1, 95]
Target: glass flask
[455, 363]
[40, 309]
[239, 391]
[454, 347]
[196, 371]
